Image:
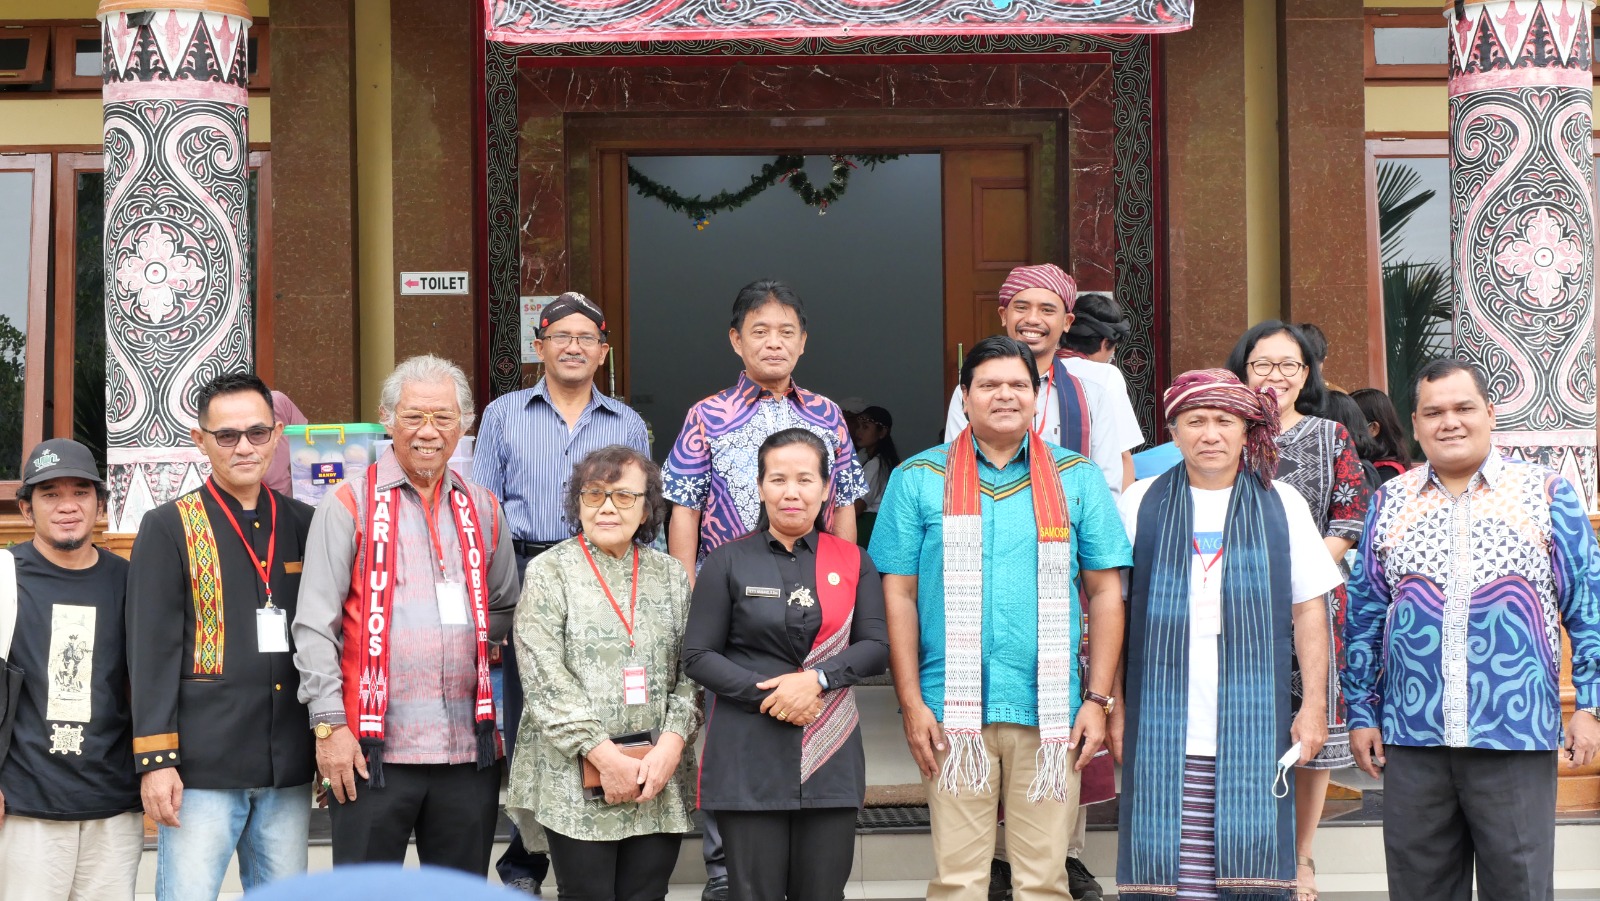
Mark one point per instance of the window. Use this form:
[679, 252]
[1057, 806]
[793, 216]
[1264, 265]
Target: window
[22, 53]
[1411, 44]
[77, 399]
[77, 58]
[24, 249]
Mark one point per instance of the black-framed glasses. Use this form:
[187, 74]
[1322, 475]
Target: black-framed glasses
[560, 340]
[621, 497]
[1289, 368]
[411, 420]
[258, 435]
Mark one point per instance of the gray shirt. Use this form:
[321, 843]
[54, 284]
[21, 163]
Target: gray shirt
[432, 666]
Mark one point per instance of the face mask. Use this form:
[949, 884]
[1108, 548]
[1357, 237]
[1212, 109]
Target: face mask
[1285, 764]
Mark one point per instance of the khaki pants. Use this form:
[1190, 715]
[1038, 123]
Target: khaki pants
[1037, 835]
[70, 860]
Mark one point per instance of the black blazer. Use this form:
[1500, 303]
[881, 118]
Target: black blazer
[243, 727]
[738, 635]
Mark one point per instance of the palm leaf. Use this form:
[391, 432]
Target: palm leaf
[1397, 204]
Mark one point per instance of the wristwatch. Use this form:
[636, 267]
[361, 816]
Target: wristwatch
[1592, 711]
[322, 730]
[1107, 704]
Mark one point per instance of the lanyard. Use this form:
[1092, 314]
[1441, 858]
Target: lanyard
[433, 528]
[1205, 568]
[263, 567]
[633, 605]
[1044, 395]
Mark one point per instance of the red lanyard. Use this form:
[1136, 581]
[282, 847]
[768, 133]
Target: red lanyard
[263, 567]
[1044, 398]
[433, 527]
[633, 605]
[1205, 568]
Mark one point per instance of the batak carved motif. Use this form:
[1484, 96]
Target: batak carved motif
[1522, 222]
[176, 233]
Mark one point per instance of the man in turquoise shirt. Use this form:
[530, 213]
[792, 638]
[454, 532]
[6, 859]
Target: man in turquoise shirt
[929, 632]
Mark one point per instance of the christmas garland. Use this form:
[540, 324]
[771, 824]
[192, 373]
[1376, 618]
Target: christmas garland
[789, 168]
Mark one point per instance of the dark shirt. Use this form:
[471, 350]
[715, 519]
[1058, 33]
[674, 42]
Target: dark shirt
[243, 727]
[71, 755]
[736, 638]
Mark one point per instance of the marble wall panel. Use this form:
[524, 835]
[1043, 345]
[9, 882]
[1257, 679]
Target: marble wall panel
[1092, 221]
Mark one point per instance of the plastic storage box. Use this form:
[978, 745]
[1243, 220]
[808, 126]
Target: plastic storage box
[321, 456]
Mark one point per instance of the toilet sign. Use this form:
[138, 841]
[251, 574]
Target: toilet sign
[433, 283]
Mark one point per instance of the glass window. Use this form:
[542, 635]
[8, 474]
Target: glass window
[1413, 200]
[86, 57]
[1411, 46]
[14, 53]
[16, 250]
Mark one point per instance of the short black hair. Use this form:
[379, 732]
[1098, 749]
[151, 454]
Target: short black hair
[785, 438]
[1343, 409]
[231, 383]
[1443, 368]
[25, 492]
[1096, 318]
[761, 292]
[605, 465]
[1316, 339]
[998, 347]
[1309, 403]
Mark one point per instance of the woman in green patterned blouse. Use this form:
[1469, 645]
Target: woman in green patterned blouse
[598, 634]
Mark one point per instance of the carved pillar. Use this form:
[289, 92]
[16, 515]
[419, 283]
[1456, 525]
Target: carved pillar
[1522, 222]
[176, 234]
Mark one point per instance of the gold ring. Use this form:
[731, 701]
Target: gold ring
[783, 714]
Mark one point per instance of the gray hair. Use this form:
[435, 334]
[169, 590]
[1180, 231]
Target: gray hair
[425, 369]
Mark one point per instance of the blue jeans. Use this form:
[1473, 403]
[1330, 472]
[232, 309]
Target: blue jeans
[268, 826]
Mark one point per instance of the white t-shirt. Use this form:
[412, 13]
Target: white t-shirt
[1125, 421]
[1312, 574]
[1104, 449]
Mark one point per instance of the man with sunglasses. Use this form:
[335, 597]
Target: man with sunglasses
[528, 442]
[410, 580]
[219, 739]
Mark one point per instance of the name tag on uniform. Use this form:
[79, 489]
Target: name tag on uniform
[452, 597]
[758, 592]
[634, 691]
[272, 630]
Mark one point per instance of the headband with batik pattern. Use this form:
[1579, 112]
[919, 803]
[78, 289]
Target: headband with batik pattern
[1219, 389]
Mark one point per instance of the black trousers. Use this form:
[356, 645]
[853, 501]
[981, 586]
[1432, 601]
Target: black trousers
[517, 862]
[1447, 811]
[633, 869]
[451, 808]
[801, 855]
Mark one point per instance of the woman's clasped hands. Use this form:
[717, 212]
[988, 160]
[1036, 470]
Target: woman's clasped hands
[796, 698]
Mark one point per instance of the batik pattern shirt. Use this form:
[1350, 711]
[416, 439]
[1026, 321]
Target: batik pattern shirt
[712, 467]
[1454, 631]
[572, 647]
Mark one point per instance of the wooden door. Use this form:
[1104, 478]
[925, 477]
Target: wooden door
[988, 231]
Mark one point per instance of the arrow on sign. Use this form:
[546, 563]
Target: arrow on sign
[412, 283]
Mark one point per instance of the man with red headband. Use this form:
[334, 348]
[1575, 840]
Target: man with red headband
[1228, 569]
[1036, 308]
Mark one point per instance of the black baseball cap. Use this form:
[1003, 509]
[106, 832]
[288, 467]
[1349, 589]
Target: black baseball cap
[60, 458]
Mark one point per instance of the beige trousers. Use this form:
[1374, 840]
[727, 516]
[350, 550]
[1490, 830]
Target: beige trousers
[1037, 835]
[70, 860]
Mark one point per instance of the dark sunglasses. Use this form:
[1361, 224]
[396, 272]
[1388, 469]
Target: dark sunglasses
[258, 435]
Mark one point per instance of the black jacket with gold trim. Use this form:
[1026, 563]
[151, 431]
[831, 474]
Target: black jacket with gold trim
[220, 710]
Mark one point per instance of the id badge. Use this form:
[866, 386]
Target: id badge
[633, 686]
[272, 630]
[1206, 613]
[452, 597]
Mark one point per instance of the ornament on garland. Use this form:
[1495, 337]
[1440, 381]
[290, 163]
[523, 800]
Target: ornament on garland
[789, 169]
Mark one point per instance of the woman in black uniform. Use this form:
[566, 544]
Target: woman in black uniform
[783, 622]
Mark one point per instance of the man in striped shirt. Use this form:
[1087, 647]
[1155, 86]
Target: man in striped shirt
[528, 442]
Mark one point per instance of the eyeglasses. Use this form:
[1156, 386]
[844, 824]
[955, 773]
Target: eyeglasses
[1289, 368]
[258, 435]
[411, 420]
[622, 497]
[562, 339]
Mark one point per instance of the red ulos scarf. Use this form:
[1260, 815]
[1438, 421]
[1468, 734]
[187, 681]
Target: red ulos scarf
[377, 595]
[838, 572]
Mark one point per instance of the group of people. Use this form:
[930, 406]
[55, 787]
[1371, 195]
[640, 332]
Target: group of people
[1042, 612]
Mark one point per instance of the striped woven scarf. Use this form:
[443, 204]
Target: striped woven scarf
[1254, 831]
[968, 764]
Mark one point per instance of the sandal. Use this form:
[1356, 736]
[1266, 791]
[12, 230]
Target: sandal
[1301, 892]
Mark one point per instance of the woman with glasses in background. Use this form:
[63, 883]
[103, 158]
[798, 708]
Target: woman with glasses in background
[1317, 458]
[598, 636]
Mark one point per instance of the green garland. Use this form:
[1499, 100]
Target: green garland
[787, 168]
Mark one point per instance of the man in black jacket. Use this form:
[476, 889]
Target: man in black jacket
[220, 740]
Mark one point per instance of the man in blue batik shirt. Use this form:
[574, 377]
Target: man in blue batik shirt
[1469, 567]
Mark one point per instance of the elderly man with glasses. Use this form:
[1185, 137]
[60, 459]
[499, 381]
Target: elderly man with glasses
[410, 579]
[219, 739]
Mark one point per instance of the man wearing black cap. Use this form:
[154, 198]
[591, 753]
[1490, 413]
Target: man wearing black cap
[69, 800]
[220, 740]
[528, 442]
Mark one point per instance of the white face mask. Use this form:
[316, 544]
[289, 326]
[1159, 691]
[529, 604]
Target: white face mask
[1285, 764]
